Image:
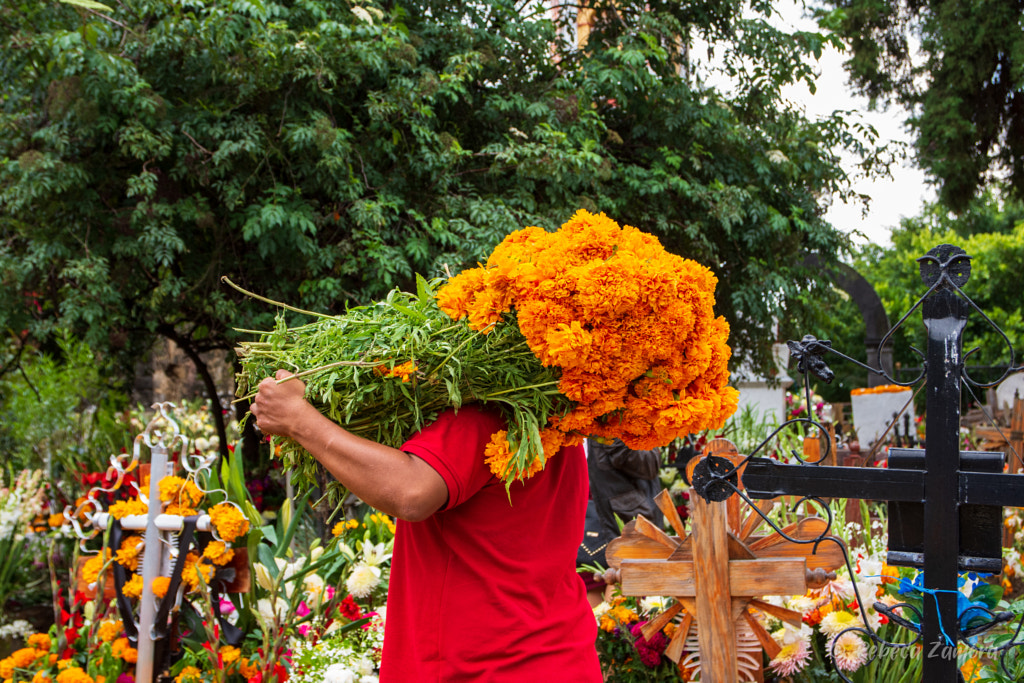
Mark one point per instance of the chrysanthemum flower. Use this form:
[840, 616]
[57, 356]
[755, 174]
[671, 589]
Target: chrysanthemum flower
[849, 652]
[836, 622]
[791, 659]
[363, 579]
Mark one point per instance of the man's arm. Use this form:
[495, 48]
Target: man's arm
[385, 478]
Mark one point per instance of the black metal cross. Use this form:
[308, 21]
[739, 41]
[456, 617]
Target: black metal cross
[945, 505]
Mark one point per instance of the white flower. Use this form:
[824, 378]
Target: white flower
[339, 673]
[601, 609]
[313, 585]
[375, 555]
[362, 14]
[266, 608]
[362, 580]
[653, 604]
[263, 578]
[777, 157]
[870, 572]
[315, 553]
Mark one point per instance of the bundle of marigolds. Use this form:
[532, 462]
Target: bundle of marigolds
[590, 330]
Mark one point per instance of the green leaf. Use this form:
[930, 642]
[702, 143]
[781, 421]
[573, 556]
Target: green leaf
[89, 4]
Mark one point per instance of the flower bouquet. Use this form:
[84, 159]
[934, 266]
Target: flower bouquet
[591, 330]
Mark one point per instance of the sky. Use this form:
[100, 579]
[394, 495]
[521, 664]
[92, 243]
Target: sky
[901, 196]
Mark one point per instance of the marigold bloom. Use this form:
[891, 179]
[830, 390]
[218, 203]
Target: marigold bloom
[218, 553]
[74, 674]
[160, 586]
[630, 326]
[109, 630]
[183, 492]
[133, 588]
[93, 566]
[189, 674]
[124, 508]
[39, 641]
[128, 553]
[229, 522]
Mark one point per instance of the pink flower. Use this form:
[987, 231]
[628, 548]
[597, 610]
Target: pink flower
[792, 659]
[302, 610]
[226, 607]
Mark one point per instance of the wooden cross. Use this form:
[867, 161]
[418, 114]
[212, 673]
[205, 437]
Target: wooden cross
[717, 571]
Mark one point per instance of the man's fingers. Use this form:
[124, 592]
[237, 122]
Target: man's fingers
[282, 374]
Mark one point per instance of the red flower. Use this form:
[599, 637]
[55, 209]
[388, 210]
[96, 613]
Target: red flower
[349, 609]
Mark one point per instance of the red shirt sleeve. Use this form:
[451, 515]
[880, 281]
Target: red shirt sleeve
[454, 446]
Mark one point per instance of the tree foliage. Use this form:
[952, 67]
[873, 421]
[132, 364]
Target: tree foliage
[958, 68]
[994, 285]
[322, 153]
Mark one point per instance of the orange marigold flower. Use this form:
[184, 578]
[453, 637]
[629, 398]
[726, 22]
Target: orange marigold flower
[41, 677]
[194, 566]
[339, 528]
[133, 588]
[230, 654]
[630, 327]
[57, 519]
[109, 630]
[160, 586]
[124, 508]
[183, 492]
[74, 674]
[39, 641]
[189, 674]
[218, 553]
[229, 522]
[94, 565]
[128, 553]
[23, 658]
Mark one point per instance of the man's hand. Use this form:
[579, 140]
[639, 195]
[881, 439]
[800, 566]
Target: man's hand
[280, 404]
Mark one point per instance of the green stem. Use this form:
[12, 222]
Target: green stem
[272, 302]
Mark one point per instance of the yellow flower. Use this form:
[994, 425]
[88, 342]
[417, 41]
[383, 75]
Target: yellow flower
[229, 522]
[133, 588]
[94, 565]
[128, 553]
[41, 677]
[109, 630]
[194, 565]
[74, 674]
[160, 586]
[180, 491]
[218, 553]
[189, 674]
[230, 654]
[122, 649]
[39, 641]
[124, 508]
[339, 528]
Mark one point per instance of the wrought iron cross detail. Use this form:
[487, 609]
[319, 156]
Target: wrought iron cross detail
[945, 505]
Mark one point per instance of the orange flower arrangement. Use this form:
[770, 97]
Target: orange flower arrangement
[880, 389]
[629, 327]
[594, 329]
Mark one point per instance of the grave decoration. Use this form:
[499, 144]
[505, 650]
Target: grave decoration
[945, 505]
[717, 573]
[168, 542]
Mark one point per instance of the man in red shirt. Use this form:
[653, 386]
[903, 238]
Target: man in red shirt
[483, 581]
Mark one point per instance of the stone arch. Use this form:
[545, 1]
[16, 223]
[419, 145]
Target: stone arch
[876, 322]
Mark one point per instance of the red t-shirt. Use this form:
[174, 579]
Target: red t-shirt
[485, 589]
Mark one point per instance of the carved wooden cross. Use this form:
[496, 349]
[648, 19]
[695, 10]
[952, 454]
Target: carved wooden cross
[717, 571]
